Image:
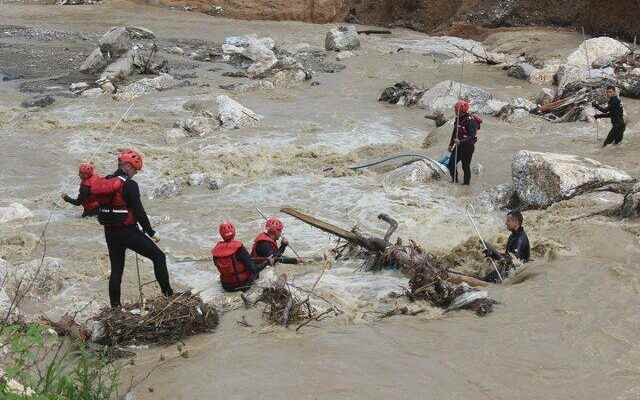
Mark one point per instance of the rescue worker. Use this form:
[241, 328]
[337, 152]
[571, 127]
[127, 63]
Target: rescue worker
[237, 269]
[265, 250]
[615, 111]
[462, 143]
[517, 244]
[89, 203]
[121, 212]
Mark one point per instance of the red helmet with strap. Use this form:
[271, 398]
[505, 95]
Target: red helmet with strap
[461, 106]
[227, 231]
[86, 170]
[131, 157]
[273, 225]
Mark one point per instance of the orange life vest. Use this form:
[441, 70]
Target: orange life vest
[233, 273]
[263, 237]
[110, 195]
[91, 203]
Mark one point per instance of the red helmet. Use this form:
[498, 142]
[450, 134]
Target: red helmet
[87, 170]
[132, 157]
[227, 231]
[461, 106]
[274, 225]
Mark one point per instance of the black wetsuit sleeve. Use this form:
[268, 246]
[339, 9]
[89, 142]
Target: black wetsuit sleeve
[83, 194]
[132, 197]
[244, 257]
[264, 249]
[288, 260]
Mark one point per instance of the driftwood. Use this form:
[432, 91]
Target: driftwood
[374, 32]
[428, 280]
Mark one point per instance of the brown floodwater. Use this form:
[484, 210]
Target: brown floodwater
[570, 330]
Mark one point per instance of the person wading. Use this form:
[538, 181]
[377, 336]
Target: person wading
[121, 212]
[265, 247]
[237, 269]
[463, 139]
[85, 198]
[517, 245]
[615, 111]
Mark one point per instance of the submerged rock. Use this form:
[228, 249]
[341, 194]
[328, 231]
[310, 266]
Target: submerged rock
[442, 97]
[631, 203]
[342, 38]
[195, 127]
[39, 102]
[166, 190]
[39, 278]
[419, 172]
[541, 179]
[233, 115]
[521, 71]
[197, 179]
[13, 212]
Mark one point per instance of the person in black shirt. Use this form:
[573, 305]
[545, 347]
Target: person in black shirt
[517, 245]
[615, 112]
[462, 143]
[127, 235]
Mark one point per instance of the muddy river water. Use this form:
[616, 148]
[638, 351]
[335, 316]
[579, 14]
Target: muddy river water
[569, 331]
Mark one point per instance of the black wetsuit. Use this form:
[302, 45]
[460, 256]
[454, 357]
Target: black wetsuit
[517, 245]
[614, 111]
[463, 151]
[83, 194]
[121, 238]
[264, 249]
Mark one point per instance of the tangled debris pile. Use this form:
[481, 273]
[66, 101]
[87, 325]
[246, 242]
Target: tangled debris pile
[402, 93]
[428, 280]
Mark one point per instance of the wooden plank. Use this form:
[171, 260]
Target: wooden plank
[323, 226]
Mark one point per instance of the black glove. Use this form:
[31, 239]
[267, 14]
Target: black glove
[594, 104]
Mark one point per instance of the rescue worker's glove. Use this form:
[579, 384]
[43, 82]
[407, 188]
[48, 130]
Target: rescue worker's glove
[156, 238]
[490, 252]
[300, 260]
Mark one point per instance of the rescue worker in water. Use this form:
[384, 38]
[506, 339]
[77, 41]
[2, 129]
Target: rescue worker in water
[237, 269]
[517, 245]
[121, 212]
[265, 248]
[85, 198]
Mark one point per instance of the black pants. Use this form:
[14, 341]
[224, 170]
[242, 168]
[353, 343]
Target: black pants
[121, 239]
[615, 134]
[464, 155]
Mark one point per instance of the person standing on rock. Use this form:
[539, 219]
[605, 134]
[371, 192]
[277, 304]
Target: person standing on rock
[463, 140]
[517, 245]
[615, 111]
[88, 201]
[265, 249]
[121, 212]
[237, 269]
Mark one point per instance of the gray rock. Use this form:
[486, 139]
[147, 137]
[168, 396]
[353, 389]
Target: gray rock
[595, 49]
[419, 172]
[39, 102]
[120, 69]
[146, 86]
[138, 32]
[342, 38]
[442, 97]
[176, 50]
[214, 183]
[166, 190]
[631, 203]
[197, 179]
[39, 278]
[233, 115]
[78, 87]
[541, 179]
[116, 42]
[521, 71]
[94, 63]
[195, 127]
[260, 51]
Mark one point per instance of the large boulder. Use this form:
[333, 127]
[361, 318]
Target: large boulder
[194, 127]
[631, 203]
[260, 51]
[596, 49]
[116, 42]
[442, 97]
[541, 179]
[521, 71]
[419, 172]
[13, 212]
[120, 69]
[146, 86]
[342, 38]
[233, 115]
[94, 63]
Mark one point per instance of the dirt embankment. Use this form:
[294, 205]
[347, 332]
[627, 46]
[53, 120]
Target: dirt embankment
[615, 18]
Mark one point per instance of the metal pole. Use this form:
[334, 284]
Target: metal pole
[484, 244]
[139, 286]
[289, 246]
